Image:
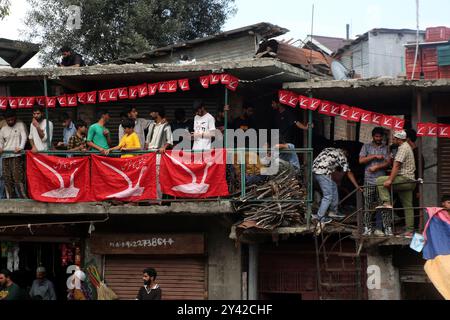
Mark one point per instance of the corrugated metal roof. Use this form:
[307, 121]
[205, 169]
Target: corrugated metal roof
[17, 53]
[264, 29]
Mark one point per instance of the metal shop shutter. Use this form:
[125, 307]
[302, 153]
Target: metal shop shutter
[179, 278]
[444, 166]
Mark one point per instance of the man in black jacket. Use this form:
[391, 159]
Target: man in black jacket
[70, 58]
[150, 290]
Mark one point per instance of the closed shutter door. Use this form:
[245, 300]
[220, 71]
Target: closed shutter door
[179, 278]
[444, 166]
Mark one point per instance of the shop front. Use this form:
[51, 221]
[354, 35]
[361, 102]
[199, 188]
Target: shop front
[179, 259]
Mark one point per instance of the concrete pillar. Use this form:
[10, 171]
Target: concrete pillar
[253, 272]
[381, 270]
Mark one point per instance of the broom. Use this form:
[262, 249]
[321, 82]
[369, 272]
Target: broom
[103, 292]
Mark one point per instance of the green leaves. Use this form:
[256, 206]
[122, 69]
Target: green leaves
[116, 28]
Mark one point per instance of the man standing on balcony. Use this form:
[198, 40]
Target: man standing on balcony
[99, 137]
[68, 131]
[375, 156]
[140, 125]
[204, 128]
[402, 181]
[13, 138]
[38, 131]
[324, 165]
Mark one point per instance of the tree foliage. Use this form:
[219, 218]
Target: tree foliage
[4, 8]
[111, 29]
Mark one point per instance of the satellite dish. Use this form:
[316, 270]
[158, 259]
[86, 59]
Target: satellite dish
[339, 71]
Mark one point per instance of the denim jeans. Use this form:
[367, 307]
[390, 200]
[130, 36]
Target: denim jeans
[330, 195]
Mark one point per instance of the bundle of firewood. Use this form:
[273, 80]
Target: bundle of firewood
[279, 202]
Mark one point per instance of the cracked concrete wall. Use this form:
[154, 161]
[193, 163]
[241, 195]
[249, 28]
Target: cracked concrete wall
[390, 288]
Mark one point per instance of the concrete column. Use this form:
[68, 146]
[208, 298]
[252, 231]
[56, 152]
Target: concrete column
[253, 272]
[382, 271]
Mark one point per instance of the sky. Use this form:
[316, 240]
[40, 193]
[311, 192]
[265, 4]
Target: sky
[330, 16]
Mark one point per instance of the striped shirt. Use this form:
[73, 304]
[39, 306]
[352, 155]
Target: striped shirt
[370, 149]
[329, 160]
[405, 156]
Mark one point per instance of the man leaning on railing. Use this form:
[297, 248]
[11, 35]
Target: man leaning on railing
[402, 181]
[13, 137]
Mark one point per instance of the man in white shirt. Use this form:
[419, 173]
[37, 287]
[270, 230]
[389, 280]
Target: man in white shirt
[204, 128]
[13, 138]
[38, 131]
[159, 135]
[140, 125]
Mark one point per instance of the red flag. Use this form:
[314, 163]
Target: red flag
[55, 179]
[387, 121]
[182, 175]
[345, 112]
[444, 131]
[82, 97]
[314, 104]
[399, 123]
[432, 129]
[225, 78]
[303, 102]
[72, 100]
[292, 100]
[3, 103]
[103, 96]
[283, 96]
[366, 116]
[152, 88]
[40, 101]
[122, 93]
[355, 114]
[133, 92]
[142, 90]
[172, 86]
[163, 86]
[50, 102]
[214, 78]
[21, 102]
[124, 179]
[422, 129]
[184, 84]
[325, 108]
[204, 81]
[335, 110]
[113, 94]
[30, 102]
[234, 82]
[12, 102]
[377, 118]
[62, 100]
[91, 97]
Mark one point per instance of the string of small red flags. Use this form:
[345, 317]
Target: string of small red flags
[340, 110]
[115, 94]
[433, 130]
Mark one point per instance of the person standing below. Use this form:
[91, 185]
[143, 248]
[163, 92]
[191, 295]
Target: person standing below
[129, 142]
[375, 156]
[246, 120]
[402, 181]
[13, 137]
[99, 137]
[68, 131]
[8, 289]
[182, 124]
[42, 288]
[204, 128]
[159, 136]
[78, 141]
[70, 58]
[151, 290]
[38, 131]
[140, 125]
[324, 165]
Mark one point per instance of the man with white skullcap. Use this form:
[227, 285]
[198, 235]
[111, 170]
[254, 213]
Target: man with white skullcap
[402, 180]
[42, 288]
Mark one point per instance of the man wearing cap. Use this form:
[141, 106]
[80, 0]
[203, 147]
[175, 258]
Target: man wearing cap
[42, 288]
[150, 290]
[402, 181]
